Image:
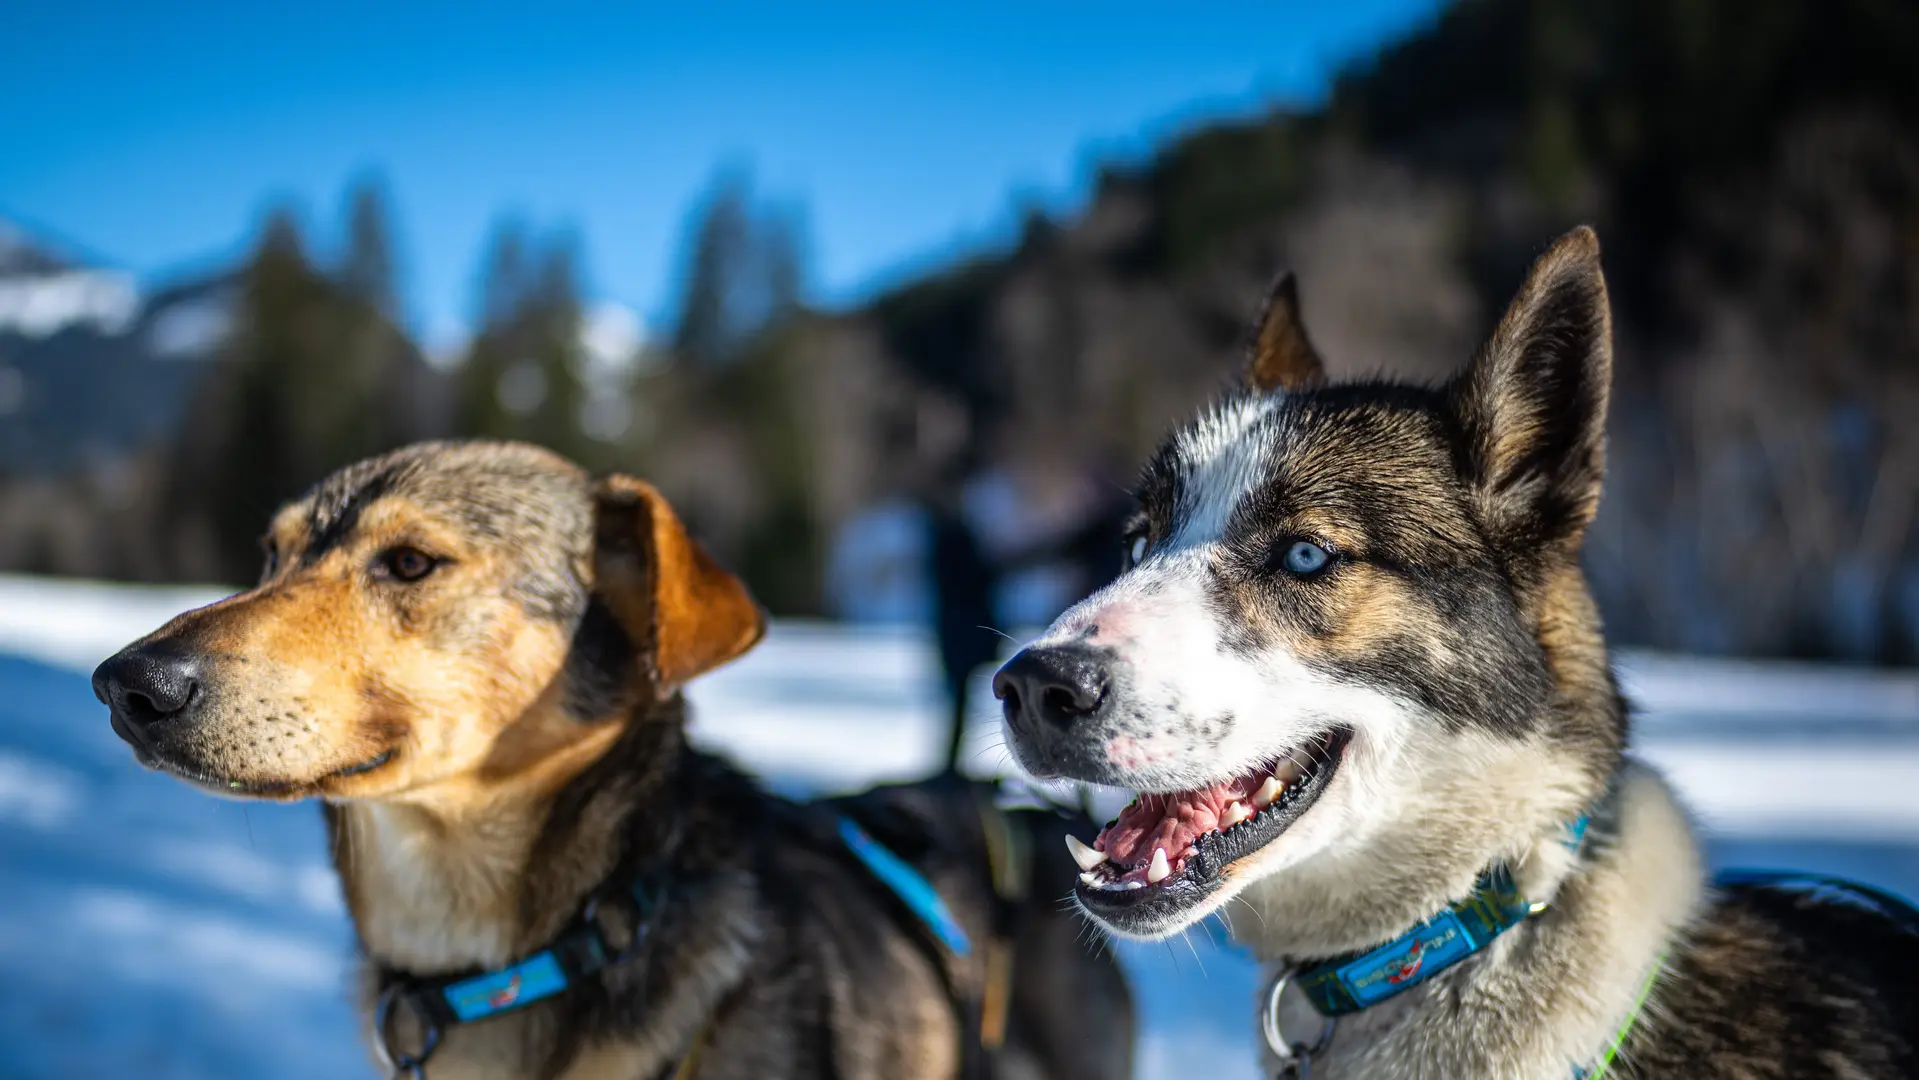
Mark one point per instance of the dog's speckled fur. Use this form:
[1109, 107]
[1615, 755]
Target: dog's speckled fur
[1452, 639]
[499, 738]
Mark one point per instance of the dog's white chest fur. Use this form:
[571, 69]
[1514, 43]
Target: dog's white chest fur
[444, 906]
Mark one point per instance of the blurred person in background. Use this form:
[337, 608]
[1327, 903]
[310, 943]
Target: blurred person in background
[963, 577]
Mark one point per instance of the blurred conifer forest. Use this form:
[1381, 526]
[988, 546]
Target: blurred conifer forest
[1752, 168]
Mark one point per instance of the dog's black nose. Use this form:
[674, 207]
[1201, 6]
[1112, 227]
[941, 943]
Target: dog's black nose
[144, 686]
[1056, 685]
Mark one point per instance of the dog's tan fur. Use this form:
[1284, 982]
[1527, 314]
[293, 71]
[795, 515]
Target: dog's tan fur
[502, 735]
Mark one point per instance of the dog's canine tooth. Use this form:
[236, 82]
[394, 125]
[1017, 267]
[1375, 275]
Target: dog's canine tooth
[1268, 791]
[1089, 878]
[1087, 857]
[1235, 814]
[1160, 869]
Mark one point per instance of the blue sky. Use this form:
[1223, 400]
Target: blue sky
[907, 132]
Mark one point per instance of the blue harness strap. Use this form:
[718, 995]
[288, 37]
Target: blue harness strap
[1892, 906]
[908, 884]
[584, 950]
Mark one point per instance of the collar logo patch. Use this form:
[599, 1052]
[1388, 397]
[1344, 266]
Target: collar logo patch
[505, 995]
[1409, 966]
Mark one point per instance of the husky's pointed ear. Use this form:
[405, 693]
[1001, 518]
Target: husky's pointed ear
[1281, 357]
[1532, 406]
[683, 610]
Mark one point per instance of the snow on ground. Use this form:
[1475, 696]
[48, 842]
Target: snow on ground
[150, 930]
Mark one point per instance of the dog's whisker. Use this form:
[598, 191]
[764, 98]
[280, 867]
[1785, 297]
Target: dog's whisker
[1173, 954]
[1258, 914]
[1186, 936]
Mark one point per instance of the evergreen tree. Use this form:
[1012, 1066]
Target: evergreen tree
[478, 410]
[521, 377]
[551, 321]
[744, 272]
[313, 377]
[366, 268]
[240, 453]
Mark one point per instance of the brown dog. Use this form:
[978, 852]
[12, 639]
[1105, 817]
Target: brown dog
[473, 653]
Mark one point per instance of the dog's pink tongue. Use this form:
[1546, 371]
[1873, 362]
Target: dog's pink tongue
[1172, 822]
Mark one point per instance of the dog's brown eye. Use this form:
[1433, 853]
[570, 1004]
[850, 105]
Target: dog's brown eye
[406, 564]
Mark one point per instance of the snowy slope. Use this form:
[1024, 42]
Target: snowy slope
[152, 931]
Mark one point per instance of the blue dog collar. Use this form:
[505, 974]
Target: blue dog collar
[1339, 987]
[1349, 984]
[442, 1003]
[538, 976]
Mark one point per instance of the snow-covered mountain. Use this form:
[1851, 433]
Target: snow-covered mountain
[23, 253]
[90, 367]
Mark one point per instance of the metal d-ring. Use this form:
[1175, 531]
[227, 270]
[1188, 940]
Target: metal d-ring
[636, 938]
[1295, 1058]
[401, 1066]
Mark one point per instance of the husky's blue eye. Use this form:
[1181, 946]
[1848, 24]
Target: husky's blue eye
[1303, 557]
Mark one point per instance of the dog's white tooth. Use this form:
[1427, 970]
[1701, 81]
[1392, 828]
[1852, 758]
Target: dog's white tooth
[1160, 869]
[1086, 857]
[1235, 814]
[1268, 791]
[1089, 878]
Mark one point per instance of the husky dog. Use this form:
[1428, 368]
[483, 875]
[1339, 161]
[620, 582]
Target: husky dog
[473, 655]
[1356, 675]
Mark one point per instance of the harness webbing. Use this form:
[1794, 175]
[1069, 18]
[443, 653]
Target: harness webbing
[584, 950]
[911, 886]
[1625, 1026]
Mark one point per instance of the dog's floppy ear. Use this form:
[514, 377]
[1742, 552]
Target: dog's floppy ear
[683, 609]
[1280, 356]
[1532, 405]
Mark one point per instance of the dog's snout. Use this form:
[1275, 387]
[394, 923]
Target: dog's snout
[146, 686]
[1057, 686]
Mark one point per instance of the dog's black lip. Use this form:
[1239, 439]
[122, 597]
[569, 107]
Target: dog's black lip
[210, 781]
[132, 736]
[259, 788]
[1215, 851]
[363, 767]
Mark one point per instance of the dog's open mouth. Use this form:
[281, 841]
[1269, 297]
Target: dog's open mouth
[1188, 837]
